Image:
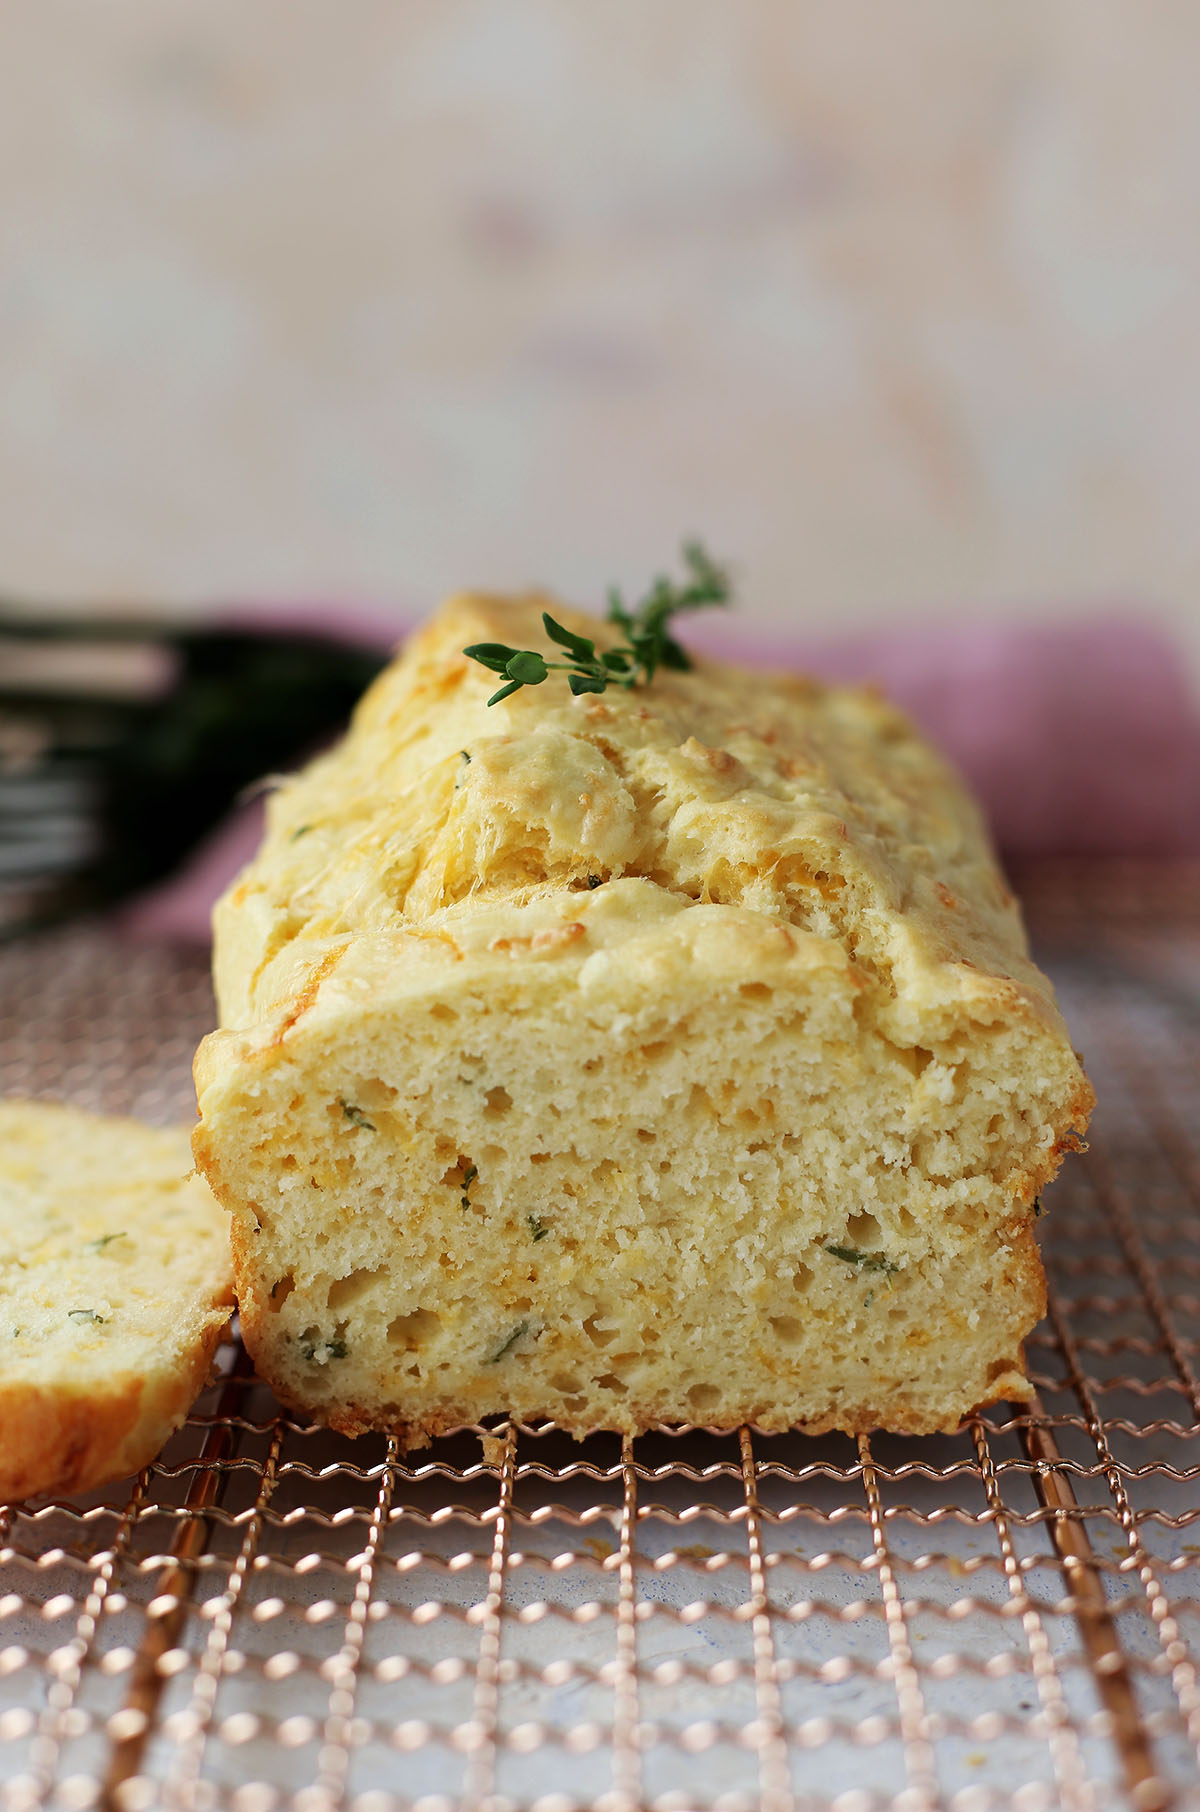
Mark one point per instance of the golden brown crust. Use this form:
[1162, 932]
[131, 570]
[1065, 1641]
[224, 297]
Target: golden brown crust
[54, 1442]
[57, 1441]
[796, 800]
[897, 1417]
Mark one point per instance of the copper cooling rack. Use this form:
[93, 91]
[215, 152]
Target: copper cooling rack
[274, 1617]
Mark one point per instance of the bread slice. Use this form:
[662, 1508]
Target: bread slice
[115, 1285]
[667, 1055]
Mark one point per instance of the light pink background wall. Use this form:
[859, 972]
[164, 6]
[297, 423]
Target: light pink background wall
[898, 305]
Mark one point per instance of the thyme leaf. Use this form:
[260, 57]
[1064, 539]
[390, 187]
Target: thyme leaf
[648, 643]
[328, 1349]
[356, 1116]
[521, 1329]
[537, 1227]
[105, 1239]
[86, 1315]
[469, 1175]
[868, 1261]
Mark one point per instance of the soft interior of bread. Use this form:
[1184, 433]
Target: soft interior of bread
[112, 1254]
[115, 1284]
[604, 1216]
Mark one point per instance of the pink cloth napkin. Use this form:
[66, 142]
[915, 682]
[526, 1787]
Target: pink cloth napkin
[1079, 739]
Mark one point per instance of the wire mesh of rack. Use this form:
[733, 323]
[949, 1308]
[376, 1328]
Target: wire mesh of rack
[272, 1616]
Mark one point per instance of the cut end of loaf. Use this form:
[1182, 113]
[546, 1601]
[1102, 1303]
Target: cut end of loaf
[561, 1196]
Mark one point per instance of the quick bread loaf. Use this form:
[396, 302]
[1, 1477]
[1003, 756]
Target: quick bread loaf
[115, 1287]
[670, 1055]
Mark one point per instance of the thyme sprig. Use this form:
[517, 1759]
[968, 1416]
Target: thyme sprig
[648, 643]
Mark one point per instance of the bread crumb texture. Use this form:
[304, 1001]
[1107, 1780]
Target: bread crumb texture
[668, 1055]
[115, 1286]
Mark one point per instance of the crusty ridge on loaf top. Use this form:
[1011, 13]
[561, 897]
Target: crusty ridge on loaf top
[546, 1021]
[772, 792]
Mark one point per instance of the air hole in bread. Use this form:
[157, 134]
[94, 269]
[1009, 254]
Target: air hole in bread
[498, 1100]
[412, 1332]
[345, 1292]
[646, 1136]
[863, 1231]
[462, 1175]
[281, 1289]
[598, 1335]
[801, 1278]
[754, 991]
[786, 1327]
[703, 1397]
[567, 1383]
[611, 1382]
[658, 1048]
